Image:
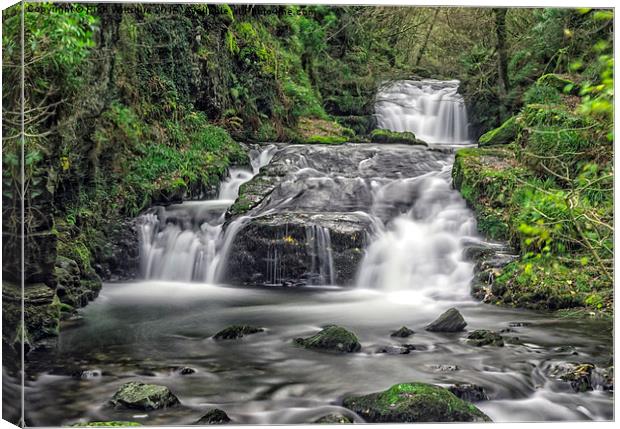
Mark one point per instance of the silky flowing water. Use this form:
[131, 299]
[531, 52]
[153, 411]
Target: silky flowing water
[413, 269]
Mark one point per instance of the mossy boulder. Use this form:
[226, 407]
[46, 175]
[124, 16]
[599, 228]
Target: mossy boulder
[214, 416]
[483, 337]
[387, 136]
[449, 321]
[322, 131]
[334, 419]
[142, 396]
[237, 331]
[332, 338]
[403, 332]
[414, 402]
[504, 134]
[558, 82]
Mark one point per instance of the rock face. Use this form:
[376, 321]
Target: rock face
[332, 338]
[236, 331]
[403, 332]
[334, 419]
[143, 396]
[295, 249]
[483, 337]
[304, 219]
[469, 392]
[214, 417]
[450, 321]
[414, 402]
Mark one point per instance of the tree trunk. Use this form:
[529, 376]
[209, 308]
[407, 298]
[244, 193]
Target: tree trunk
[428, 36]
[500, 30]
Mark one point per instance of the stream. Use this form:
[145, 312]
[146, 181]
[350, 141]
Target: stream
[415, 228]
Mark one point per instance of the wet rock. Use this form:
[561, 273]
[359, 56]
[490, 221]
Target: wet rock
[214, 416]
[450, 321]
[579, 375]
[141, 396]
[396, 350]
[484, 337]
[403, 332]
[469, 392]
[284, 249]
[518, 324]
[236, 331]
[569, 350]
[445, 368]
[186, 370]
[414, 402]
[332, 338]
[334, 419]
[116, 423]
[603, 378]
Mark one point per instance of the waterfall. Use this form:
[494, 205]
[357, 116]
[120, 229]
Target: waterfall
[431, 109]
[318, 241]
[185, 242]
[420, 249]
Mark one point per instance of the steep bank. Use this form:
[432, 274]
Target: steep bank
[543, 182]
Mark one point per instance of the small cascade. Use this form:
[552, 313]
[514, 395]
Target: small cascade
[184, 242]
[319, 244]
[433, 110]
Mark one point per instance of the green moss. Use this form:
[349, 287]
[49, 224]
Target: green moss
[506, 133]
[325, 140]
[387, 136]
[558, 82]
[414, 402]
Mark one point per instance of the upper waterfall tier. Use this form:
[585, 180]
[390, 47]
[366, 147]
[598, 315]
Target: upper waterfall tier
[431, 109]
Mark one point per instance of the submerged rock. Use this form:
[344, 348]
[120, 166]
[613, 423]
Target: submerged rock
[445, 368]
[214, 416]
[414, 402]
[469, 392]
[236, 331]
[403, 332]
[484, 337]
[397, 350]
[332, 338]
[141, 396]
[450, 321]
[186, 370]
[334, 419]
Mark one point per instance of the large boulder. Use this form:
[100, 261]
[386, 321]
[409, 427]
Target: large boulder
[450, 321]
[141, 396]
[414, 402]
[295, 249]
[332, 338]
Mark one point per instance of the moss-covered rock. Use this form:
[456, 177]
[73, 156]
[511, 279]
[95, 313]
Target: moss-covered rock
[403, 332]
[483, 337]
[559, 83]
[322, 131]
[141, 396]
[332, 338]
[414, 402]
[334, 419]
[214, 416]
[387, 136]
[504, 134]
[237, 331]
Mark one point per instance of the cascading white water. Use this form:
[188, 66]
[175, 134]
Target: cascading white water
[421, 249]
[185, 242]
[319, 243]
[433, 110]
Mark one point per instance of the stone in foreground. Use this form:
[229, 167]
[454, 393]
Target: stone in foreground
[236, 331]
[334, 419]
[469, 392]
[450, 321]
[414, 402]
[332, 338]
[214, 416]
[403, 332]
[484, 337]
[141, 396]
